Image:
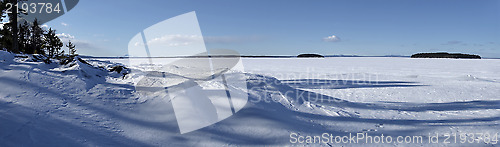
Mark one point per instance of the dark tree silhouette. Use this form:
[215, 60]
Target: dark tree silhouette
[37, 38]
[13, 22]
[71, 48]
[24, 36]
[52, 44]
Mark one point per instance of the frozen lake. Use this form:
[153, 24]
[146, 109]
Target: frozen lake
[289, 100]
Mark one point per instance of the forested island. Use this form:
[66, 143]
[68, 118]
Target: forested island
[445, 55]
[310, 56]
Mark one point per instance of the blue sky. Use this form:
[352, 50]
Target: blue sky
[283, 27]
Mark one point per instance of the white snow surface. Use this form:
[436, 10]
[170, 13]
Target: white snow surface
[87, 105]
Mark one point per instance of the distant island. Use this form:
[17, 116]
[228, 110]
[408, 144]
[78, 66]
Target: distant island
[445, 55]
[310, 56]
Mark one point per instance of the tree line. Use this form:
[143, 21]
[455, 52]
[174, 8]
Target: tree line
[29, 37]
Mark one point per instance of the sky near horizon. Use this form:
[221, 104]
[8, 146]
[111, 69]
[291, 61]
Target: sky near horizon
[283, 27]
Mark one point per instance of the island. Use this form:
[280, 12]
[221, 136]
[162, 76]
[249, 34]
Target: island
[310, 56]
[445, 55]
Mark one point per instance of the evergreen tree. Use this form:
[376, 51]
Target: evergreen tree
[71, 48]
[36, 40]
[52, 44]
[24, 36]
[6, 38]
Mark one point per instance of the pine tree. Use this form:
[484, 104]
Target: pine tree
[36, 40]
[71, 48]
[6, 38]
[24, 37]
[52, 44]
[58, 44]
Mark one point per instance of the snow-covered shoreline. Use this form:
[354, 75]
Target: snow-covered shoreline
[40, 105]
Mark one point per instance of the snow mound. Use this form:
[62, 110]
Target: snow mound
[474, 78]
[84, 70]
[6, 57]
[92, 69]
[37, 58]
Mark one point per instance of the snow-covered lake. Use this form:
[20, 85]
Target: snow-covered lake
[289, 98]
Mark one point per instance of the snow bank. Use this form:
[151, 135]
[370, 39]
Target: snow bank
[6, 57]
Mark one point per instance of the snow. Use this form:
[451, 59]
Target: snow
[81, 104]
